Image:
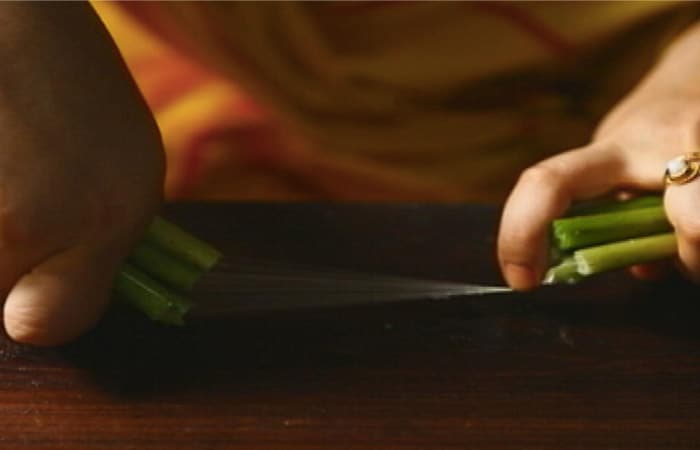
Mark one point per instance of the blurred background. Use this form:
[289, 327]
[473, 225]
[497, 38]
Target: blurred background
[379, 101]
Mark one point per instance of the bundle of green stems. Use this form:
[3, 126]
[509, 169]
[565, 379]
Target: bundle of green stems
[608, 236]
[161, 269]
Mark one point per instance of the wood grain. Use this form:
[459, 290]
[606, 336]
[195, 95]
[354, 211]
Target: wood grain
[610, 364]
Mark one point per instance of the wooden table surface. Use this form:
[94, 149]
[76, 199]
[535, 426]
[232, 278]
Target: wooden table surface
[609, 364]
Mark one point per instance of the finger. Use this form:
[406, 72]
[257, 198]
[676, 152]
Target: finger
[543, 193]
[61, 297]
[683, 210]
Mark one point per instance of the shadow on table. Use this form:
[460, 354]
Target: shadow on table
[610, 317]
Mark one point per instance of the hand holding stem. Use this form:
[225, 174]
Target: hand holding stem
[658, 121]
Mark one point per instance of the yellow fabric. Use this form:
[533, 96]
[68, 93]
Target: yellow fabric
[439, 101]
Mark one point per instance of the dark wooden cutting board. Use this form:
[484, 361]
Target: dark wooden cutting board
[609, 364]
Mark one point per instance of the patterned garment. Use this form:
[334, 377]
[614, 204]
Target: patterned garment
[379, 101]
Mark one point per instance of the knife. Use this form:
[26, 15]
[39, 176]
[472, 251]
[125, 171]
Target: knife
[171, 272]
[244, 286]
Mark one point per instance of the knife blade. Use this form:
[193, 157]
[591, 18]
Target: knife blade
[244, 286]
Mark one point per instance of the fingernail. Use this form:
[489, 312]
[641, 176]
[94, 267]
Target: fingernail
[520, 277]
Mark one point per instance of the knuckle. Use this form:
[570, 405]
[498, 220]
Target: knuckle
[543, 181]
[542, 175]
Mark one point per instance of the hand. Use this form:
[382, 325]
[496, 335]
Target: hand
[658, 121]
[81, 169]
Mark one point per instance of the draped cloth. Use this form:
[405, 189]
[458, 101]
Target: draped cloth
[379, 101]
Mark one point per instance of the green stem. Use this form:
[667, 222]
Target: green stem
[147, 295]
[181, 244]
[164, 267]
[617, 255]
[564, 272]
[608, 206]
[582, 231]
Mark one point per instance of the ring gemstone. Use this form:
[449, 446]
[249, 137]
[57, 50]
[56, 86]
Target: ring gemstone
[677, 167]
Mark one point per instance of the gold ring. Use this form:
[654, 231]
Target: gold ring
[682, 169]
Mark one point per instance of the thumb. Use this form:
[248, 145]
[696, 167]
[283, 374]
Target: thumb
[62, 297]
